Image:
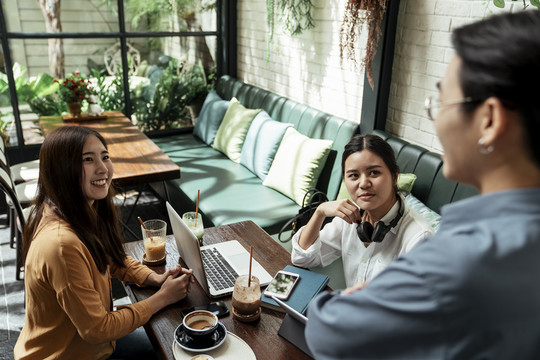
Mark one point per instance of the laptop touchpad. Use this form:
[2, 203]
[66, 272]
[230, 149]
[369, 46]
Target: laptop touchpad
[240, 262]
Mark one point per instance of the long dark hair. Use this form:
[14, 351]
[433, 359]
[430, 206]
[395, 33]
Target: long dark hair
[376, 145]
[60, 187]
[501, 58]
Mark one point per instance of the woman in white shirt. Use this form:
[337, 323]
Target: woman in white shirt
[370, 231]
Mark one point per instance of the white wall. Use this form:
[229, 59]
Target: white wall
[307, 68]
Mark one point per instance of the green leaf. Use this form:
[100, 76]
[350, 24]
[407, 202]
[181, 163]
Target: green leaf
[43, 85]
[535, 3]
[498, 3]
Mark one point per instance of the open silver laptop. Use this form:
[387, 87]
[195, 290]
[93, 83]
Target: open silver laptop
[212, 276]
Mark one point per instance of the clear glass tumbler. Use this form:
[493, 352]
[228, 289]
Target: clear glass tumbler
[154, 239]
[194, 221]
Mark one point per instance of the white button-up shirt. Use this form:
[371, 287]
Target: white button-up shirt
[360, 263]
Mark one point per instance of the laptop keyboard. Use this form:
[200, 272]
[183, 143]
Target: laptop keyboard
[218, 271]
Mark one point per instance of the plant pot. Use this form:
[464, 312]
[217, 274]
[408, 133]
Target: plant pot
[75, 109]
[194, 110]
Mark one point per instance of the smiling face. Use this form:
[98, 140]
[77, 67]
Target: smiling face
[370, 183]
[97, 169]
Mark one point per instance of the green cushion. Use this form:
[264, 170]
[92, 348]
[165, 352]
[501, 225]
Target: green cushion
[343, 192]
[297, 164]
[406, 181]
[233, 129]
[210, 117]
[261, 143]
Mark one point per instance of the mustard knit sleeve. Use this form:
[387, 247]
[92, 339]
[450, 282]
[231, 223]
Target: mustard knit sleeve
[133, 273]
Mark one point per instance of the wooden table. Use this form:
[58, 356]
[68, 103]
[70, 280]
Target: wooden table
[261, 335]
[137, 159]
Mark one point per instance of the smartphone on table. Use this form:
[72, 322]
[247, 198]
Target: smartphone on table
[282, 285]
[218, 308]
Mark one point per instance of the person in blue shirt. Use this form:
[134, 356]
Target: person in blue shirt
[471, 291]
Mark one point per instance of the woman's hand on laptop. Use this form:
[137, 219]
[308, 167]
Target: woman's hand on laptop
[155, 279]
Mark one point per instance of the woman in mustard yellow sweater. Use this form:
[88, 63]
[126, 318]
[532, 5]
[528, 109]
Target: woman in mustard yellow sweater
[72, 249]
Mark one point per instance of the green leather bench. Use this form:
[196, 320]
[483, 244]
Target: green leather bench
[229, 191]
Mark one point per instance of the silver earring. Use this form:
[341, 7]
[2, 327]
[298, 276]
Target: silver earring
[482, 149]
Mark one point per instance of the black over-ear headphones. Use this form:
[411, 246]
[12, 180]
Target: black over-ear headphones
[367, 233]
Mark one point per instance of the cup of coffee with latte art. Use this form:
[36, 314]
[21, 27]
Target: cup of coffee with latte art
[200, 325]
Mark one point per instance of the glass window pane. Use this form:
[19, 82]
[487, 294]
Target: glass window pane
[175, 75]
[37, 92]
[167, 15]
[28, 16]
[7, 125]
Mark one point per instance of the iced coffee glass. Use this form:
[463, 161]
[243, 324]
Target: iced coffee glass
[154, 239]
[246, 300]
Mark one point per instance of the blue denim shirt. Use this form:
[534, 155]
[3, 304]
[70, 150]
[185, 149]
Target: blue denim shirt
[472, 291]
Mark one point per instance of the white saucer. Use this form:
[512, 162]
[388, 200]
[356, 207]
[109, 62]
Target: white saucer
[233, 348]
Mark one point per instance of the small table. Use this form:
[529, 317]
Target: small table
[137, 159]
[261, 335]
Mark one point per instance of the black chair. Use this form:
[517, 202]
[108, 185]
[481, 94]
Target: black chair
[22, 172]
[25, 192]
[17, 218]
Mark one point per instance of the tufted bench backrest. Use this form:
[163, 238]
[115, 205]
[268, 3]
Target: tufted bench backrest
[307, 120]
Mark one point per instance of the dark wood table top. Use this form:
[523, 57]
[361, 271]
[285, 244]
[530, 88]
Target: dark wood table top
[261, 335]
[137, 159]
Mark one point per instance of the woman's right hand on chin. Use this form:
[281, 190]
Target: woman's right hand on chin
[344, 209]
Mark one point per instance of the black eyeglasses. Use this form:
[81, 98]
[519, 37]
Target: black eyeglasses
[433, 106]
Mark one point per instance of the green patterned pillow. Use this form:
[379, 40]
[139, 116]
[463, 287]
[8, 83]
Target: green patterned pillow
[233, 130]
[297, 164]
[406, 181]
[431, 216]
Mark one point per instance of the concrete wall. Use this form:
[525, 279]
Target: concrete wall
[307, 68]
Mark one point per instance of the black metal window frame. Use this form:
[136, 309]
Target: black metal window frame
[225, 55]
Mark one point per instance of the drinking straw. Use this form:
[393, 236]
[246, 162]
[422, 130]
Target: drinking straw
[197, 207]
[144, 227]
[250, 257]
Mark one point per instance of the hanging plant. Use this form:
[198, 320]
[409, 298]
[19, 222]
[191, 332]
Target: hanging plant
[270, 16]
[357, 13]
[294, 15]
[500, 3]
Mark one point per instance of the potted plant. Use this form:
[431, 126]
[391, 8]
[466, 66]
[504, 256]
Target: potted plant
[198, 86]
[73, 90]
